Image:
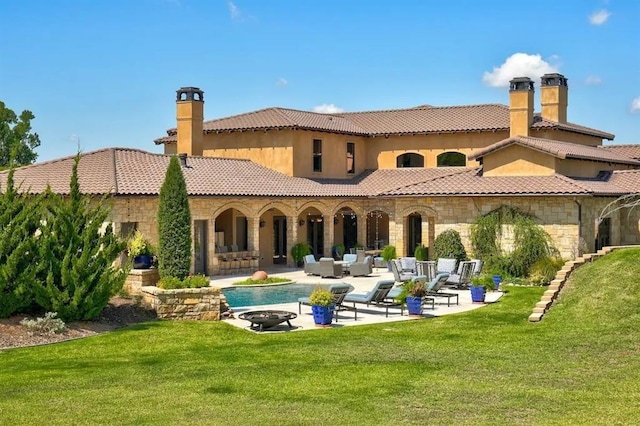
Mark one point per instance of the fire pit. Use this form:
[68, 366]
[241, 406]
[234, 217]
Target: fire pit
[267, 319]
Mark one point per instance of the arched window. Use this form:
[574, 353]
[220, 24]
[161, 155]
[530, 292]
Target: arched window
[410, 159]
[448, 159]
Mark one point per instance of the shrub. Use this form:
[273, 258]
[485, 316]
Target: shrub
[194, 281]
[421, 252]
[174, 224]
[484, 280]
[170, 283]
[338, 250]
[299, 251]
[545, 269]
[139, 246]
[76, 274]
[47, 325]
[270, 280]
[388, 253]
[321, 297]
[449, 245]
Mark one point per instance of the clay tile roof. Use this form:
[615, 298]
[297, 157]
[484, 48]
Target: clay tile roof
[629, 150]
[96, 174]
[557, 149]
[172, 138]
[420, 119]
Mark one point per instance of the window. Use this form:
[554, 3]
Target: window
[410, 160]
[454, 159]
[317, 155]
[351, 157]
[127, 229]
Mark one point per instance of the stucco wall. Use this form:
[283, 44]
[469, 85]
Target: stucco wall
[516, 160]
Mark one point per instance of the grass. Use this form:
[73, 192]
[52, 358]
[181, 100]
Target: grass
[580, 365]
[270, 280]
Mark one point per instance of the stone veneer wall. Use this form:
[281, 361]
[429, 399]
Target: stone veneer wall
[139, 278]
[204, 303]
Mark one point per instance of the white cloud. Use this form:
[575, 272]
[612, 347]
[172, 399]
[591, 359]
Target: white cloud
[327, 109]
[282, 82]
[519, 65]
[236, 15]
[599, 17]
[592, 80]
[635, 105]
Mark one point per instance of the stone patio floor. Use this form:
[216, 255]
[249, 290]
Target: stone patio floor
[366, 314]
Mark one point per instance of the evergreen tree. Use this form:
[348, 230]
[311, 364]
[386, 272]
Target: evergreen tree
[17, 143]
[76, 274]
[174, 224]
[19, 220]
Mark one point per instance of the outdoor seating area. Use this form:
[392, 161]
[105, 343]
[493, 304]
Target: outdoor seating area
[237, 262]
[359, 300]
[355, 264]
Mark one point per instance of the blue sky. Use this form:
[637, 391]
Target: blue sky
[104, 73]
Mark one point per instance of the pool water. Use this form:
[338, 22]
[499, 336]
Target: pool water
[266, 295]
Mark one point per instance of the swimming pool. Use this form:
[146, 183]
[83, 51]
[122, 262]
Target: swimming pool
[266, 295]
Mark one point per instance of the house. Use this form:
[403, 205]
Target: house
[263, 180]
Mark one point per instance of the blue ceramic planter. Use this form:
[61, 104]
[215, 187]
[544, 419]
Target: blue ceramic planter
[322, 315]
[477, 293]
[142, 262]
[414, 305]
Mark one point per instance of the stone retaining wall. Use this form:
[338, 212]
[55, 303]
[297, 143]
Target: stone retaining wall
[139, 278]
[204, 303]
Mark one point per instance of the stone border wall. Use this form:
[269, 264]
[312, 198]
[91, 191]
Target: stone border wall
[206, 303]
[139, 278]
[553, 291]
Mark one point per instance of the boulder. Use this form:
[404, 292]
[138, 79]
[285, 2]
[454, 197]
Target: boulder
[259, 275]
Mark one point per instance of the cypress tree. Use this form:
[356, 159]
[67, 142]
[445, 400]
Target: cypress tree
[76, 274]
[174, 224]
[19, 220]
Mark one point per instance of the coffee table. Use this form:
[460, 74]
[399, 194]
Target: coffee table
[267, 318]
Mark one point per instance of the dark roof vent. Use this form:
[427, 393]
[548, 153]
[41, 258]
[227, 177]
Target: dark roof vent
[521, 84]
[183, 159]
[190, 94]
[554, 79]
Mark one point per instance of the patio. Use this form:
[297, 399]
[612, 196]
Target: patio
[366, 314]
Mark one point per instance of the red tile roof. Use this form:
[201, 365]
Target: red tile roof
[628, 150]
[125, 171]
[418, 120]
[557, 149]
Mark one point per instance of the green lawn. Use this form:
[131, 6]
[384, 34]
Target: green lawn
[580, 365]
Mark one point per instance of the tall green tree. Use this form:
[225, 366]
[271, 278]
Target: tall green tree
[174, 224]
[19, 220]
[17, 142]
[77, 249]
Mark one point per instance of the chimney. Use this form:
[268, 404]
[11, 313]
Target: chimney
[189, 117]
[554, 95]
[183, 159]
[520, 106]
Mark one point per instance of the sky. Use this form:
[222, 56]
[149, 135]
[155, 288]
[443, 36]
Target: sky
[104, 73]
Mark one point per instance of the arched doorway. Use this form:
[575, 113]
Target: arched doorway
[231, 231]
[273, 237]
[414, 232]
[311, 226]
[346, 228]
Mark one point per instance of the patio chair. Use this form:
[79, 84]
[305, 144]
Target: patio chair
[463, 277]
[398, 274]
[446, 265]
[434, 288]
[360, 255]
[329, 268]
[339, 291]
[408, 264]
[478, 266]
[426, 268]
[376, 296]
[311, 267]
[361, 269]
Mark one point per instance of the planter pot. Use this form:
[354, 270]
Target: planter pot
[322, 315]
[497, 279]
[477, 293]
[414, 305]
[142, 262]
[389, 266]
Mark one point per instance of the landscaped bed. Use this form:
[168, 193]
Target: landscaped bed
[491, 366]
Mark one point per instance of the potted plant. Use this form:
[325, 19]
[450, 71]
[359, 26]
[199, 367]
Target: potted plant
[388, 254]
[140, 251]
[421, 253]
[322, 306]
[299, 251]
[338, 251]
[479, 286]
[416, 290]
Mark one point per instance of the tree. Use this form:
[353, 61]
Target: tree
[174, 224]
[76, 275]
[449, 245]
[17, 143]
[19, 220]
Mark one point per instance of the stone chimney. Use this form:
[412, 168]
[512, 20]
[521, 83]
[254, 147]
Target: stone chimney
[554, 95]
[189, 117]
[520, 106]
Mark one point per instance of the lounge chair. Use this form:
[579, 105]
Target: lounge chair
[399, 274]
[339, 291]
[478, 266]
[446, 265]
[311, 267]
[329, 268]
[361, 269]
[426, 268]
[376, 296]
[463, 277]
[435, 285]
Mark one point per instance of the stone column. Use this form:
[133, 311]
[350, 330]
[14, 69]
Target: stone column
[292, 238]
[253, 233]
[362, 229]
[431, 236]
[329, 231]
